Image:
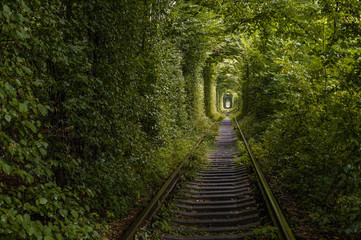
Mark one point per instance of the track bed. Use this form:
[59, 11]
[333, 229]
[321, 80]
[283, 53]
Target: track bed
[218, 203]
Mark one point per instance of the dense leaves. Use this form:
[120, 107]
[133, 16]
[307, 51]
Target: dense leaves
[97, 108]
[300, 71]
[101, 99]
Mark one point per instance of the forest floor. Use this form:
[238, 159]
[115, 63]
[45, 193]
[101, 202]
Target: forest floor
[299, 220]
[116, 228]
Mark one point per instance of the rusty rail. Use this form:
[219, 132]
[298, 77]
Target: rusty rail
[279, 220]
[151, 209]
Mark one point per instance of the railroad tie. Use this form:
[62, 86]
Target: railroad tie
[218, 203]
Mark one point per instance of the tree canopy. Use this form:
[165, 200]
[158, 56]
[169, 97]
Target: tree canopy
[101, 99]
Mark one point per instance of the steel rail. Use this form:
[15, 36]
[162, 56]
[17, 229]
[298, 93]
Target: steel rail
[284, 230]
[151, 209]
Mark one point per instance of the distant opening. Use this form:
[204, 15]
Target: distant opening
[228, 104]
[227, 101]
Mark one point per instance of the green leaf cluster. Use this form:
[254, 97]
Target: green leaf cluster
[100, 100]
[300, 79]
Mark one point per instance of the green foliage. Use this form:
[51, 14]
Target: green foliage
[32, 205]
[100, 100]
[300, 99]
[143, 233]
[210, 90]
[96, 108]
[267, 232]
[199, 28]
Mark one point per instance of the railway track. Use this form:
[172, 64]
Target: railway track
[219, 202]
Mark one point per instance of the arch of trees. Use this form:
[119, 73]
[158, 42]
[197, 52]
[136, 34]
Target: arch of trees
[101, 99]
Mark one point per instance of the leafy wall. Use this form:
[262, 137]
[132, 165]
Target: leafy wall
[300, 71]
[99, 101]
